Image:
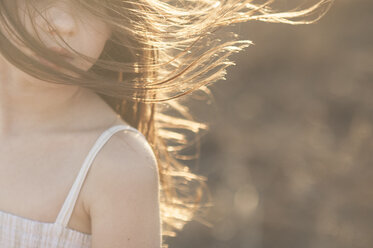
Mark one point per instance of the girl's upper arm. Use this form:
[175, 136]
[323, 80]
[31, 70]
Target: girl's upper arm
[125, 209]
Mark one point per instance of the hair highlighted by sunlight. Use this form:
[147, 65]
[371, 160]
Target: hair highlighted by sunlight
[158, 51]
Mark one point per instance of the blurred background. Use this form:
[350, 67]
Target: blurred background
[289, 157]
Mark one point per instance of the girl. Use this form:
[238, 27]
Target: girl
[88, 155]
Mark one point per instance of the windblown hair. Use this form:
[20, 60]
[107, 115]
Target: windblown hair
[159, 50]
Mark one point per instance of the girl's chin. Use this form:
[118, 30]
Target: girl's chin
[47, 63]
[63, 70]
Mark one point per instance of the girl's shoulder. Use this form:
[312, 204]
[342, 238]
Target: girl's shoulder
[123, 192]
[125, 163]
[127, 143]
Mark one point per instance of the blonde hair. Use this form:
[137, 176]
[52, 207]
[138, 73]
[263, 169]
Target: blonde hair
[158, 51]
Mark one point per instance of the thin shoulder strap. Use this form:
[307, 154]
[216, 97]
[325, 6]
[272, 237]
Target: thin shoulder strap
[68, 206]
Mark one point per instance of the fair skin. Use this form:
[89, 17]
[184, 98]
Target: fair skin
[44, 123]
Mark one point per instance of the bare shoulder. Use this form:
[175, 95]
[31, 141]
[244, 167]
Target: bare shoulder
[128, 150]
[124, 194]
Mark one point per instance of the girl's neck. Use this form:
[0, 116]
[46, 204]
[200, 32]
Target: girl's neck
[43, 108]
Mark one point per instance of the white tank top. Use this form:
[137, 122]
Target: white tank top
[19, 232]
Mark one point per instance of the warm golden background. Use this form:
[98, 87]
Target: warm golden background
[289, 156]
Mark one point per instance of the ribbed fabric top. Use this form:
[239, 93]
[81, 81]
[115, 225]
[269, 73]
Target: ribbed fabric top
[19, 232]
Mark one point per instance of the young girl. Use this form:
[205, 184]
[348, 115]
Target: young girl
[91, 138]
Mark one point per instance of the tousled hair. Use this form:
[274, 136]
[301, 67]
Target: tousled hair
[158, 52]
